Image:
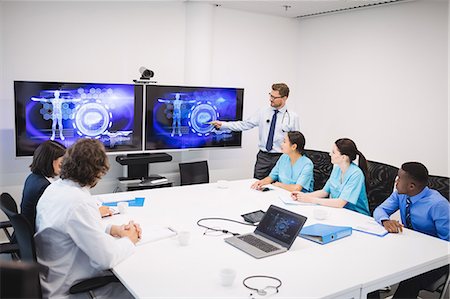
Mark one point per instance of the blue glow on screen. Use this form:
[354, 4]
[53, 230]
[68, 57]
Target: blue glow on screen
[67, 112]
[180, 116]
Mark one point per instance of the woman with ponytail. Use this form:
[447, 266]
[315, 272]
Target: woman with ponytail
[346, 187]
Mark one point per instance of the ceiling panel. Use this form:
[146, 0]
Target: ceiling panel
[293, 9]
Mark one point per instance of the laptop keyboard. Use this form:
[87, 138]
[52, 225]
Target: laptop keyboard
[258, 243]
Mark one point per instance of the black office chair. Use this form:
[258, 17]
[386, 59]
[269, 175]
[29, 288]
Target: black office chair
[440, 183]
[18, 280]
[194, 173]
[322, 167]
[9, 207]
[440, 286]
[381, 180]
[25, 241]
[27, 250]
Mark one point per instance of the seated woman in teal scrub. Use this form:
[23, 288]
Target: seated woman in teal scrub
[293, 171]
[346, 187]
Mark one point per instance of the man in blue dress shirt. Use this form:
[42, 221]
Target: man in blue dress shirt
[421, 209]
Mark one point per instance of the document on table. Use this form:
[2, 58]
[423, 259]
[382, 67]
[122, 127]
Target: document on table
[371, 227]
[287, 199]
[152, 233]
[136, 202]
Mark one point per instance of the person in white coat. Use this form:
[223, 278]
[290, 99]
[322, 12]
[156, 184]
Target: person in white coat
[71, 240]
[273, 123]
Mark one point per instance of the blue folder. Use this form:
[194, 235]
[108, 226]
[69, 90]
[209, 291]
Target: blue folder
[323, 233]
[136, 202]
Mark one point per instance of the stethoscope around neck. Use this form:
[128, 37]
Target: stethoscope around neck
[285, 126]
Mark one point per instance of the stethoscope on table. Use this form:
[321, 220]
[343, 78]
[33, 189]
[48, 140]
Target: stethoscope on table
[265, 290]
[285, 127]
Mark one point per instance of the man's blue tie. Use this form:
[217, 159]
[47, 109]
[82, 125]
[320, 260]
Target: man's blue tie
[269, 144]
[408, 213]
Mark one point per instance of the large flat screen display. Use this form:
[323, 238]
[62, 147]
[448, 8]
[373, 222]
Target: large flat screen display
[65, 112]
[179, 117]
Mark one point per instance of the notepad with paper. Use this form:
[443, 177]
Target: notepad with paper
[152, 233]
[323, 233]
[136, 202]
[287, 199]
[371, 227]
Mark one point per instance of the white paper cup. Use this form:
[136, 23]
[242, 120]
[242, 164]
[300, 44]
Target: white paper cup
[222, 184]
[123, 207]
[227, 276]
[183, 238]
[320, 214]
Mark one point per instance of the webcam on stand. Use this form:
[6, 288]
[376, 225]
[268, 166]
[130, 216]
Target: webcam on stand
[146, 76]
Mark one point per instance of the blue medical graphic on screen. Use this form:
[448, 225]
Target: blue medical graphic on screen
[280, 225]
[180, 117]
[65, 112]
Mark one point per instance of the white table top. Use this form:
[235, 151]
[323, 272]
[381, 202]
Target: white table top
[347, 268]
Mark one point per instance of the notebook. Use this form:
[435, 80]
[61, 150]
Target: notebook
[371, 227]
[286, 199]
[275, 233]
[151, 233]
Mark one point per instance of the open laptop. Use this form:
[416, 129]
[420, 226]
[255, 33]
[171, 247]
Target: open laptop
[275, 233]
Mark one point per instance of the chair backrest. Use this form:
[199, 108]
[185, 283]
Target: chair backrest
[380, 183]
[322, 167]
[194, 173]
[24, 238]
[8, 205]
[439, 183]
[440, 286]
[19, 280]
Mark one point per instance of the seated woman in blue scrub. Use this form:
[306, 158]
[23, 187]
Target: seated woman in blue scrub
[346, 187]
[293, 171]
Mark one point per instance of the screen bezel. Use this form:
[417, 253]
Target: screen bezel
[147, 116]
[20, 117]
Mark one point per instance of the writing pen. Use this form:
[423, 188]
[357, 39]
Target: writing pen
[171, 229]
[114, 212]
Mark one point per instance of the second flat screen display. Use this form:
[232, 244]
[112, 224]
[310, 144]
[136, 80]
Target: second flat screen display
[179, 117]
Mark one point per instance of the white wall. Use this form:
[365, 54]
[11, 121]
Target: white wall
[109, 41]
[246, 54]
[83, 42]
[380, 77]
[389, 61]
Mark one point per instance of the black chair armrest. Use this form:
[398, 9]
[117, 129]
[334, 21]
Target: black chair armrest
[92, 284]
[5, 224]
[9, 248]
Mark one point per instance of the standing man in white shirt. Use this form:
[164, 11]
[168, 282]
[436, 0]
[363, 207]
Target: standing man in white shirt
[71, 240]
[273, 122]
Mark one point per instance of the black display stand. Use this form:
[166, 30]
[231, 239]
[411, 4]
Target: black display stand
[137, 164]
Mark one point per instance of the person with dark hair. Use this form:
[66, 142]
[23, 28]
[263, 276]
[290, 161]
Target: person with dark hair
[71, 241]
[346, 187]
[421, 209]
[273, 123]
[293, 171]
[45, 167]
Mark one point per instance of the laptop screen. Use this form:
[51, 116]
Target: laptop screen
[280, 225]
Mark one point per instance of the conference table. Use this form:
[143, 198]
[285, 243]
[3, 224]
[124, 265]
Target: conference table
[349, 267]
